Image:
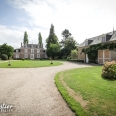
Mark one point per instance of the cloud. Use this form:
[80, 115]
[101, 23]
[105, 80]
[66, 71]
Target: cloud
[14, 36]
[84, 19]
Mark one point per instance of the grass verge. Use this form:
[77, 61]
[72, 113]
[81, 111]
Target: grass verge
[29, 64]
[100, 93]
[75, 107]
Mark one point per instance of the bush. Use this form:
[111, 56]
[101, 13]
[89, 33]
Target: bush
[68, 58]
[76, 60]
[23, 59]
[10, 58]
[109, 70]
[64, 57]
[4, 57]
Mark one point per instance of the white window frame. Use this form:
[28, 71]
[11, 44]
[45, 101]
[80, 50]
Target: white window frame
[17, 51]
[38, 50]
[31, 56]
[38, 55]
[25, 55]
[32, 50]
[17, 55]
[103, 39]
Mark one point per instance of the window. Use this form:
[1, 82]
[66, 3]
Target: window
[38, 55]
[26, 50]
[16, 50]
[17, 56]
[26, 56]
[32, 50]
[31, 56]
[31, 46]
[38, 50]
[103, 39]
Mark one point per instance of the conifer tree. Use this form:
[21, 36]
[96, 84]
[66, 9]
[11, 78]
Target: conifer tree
[40, 39]
[52, 43]
[25, 40]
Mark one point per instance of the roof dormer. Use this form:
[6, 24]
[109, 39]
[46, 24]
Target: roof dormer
[88, 42]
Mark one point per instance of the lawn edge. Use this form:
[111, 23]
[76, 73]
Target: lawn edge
[71, 102]
[60, 63]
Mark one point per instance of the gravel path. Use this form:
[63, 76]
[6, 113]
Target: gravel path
[32, 91]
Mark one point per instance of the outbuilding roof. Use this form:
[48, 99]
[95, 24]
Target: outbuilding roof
[99, 39]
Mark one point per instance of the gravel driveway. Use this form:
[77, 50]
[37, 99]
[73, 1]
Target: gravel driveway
[32, 91]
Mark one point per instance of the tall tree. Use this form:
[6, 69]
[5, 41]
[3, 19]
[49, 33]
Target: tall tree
[67, 43]
[66, 34]
[52, 43]
[40, 39]
[25, 40]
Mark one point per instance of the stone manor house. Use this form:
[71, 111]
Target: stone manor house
[30, 51]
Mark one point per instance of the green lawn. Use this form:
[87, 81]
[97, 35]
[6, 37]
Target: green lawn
[100, 93]
[29, 64]
[1, 60]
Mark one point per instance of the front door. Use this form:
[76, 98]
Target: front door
[31, 56]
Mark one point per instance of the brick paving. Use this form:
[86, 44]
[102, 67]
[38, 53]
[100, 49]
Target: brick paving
[32, 91]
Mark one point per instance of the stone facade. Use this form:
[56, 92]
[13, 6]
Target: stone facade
[30, 51]
[81, 55]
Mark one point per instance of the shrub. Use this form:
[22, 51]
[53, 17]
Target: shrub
[64, 57]
[109, 70]
[76, 60]
[23, 59]
[74, 54]
[10, 58]
[4, 57]
[68, 58]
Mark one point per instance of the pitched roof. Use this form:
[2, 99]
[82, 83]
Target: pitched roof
[99, 39]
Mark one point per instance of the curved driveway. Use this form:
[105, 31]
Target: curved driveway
[32, 91]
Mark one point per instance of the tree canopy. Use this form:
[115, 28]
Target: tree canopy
[25, 40]
[6, 49]
[52, 43]
[66, 34]
[67, 43]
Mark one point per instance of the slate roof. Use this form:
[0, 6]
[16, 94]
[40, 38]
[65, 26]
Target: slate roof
[34, 46]
[98, 39]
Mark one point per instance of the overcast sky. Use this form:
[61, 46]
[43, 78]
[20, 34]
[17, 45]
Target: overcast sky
[83, 18]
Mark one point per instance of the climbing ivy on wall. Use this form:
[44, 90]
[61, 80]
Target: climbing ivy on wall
[92, 51]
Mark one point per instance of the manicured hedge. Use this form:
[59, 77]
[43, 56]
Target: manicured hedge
[76, 60]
